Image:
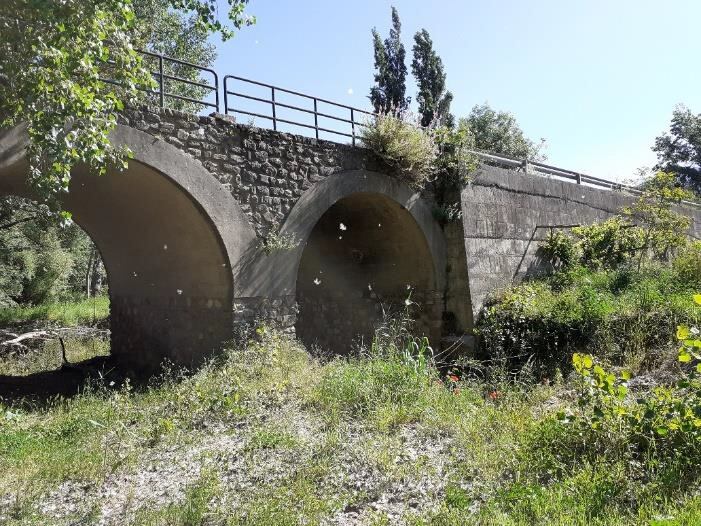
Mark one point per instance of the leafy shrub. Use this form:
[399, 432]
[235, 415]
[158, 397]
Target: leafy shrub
[559, 250]
[608, 244]
[688, 264]
[652, 436]
[402, 145]
[623, 315]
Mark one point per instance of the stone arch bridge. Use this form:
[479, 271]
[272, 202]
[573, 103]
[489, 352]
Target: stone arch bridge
[216, 224]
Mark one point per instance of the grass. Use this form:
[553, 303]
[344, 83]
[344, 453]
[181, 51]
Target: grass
[47, 355]
[268, 435]
[66, 314]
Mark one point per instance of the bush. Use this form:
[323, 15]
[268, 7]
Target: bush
[559, 250]
[688, 264]
[608, 244]
[622, 315]
[403, 145]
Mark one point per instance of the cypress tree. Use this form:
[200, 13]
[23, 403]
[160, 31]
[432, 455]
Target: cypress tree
[427, 67]
[389, 92]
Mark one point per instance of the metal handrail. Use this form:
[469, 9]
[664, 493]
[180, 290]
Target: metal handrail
[578, 177]
[500, 159]
[275, 104]
[161, 76]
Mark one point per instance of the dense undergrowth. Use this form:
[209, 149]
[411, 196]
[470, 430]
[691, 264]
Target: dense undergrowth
[285, 439]
[625, 316]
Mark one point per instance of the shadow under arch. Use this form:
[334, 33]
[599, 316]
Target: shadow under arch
[408, 221]
[169, 234]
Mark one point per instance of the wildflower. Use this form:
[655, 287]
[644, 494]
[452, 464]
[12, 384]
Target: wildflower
[453, 378]
[494, 395]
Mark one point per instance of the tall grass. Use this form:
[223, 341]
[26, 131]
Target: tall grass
[69, 313]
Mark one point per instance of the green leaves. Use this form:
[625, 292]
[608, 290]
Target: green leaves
[57, 57]
[664, 421]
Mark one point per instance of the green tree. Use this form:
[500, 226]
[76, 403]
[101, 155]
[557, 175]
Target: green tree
[55, 57]
[41, 259]
[389, 92]
[664, 230]
[433, 99]
[163, 30]
[679, 150]
[498, 132]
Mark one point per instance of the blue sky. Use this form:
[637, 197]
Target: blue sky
[597, 79]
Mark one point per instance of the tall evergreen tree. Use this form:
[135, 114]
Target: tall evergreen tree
[427, 67]
[389, 92]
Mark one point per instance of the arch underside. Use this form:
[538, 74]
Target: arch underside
[169, 273]
[365, 259]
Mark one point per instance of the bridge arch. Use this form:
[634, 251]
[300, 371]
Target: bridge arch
[366, 239]
[169, 234]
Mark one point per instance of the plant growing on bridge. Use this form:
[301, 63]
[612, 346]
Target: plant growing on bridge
[402, 145]
[279, 241]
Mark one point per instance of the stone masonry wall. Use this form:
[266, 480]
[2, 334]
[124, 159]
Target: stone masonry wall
[266, 171]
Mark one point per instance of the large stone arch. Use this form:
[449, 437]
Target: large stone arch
[380, 196]
[170, 235]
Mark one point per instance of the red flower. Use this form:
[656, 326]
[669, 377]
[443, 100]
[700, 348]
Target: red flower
[453, 378]
[494, 395]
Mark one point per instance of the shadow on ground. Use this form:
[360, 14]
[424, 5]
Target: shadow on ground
[67, 380]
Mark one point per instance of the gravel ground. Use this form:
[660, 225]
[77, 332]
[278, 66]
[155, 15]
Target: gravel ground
[372, 473]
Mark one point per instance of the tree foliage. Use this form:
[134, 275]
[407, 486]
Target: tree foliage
[498, 132]
[663, 229]
[56, 57]
[165, 31]
[389, 92]
[679, 150]
[41, 260]
[433, 99]
[650, 227]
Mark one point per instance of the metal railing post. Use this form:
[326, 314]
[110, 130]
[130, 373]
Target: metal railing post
[272, 102]
[352, 127]
[316, 119]
[579, 178]
[161, 81]
[226, 96]
[216, 90]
